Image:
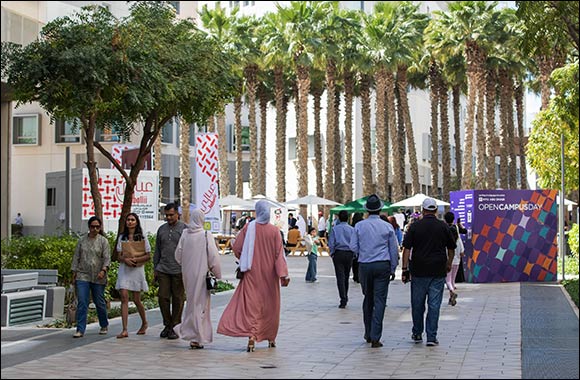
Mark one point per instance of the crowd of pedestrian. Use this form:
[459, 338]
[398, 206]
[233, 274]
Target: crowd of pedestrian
[184, 255]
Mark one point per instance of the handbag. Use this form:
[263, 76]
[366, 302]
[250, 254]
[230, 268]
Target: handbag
[134, 249]
[239, 273]
[211, 281]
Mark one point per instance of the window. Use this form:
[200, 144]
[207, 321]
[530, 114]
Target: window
[175, 5]
[245, 138]
[292, 153]
[167, 132]
[19, 29]
[26, 130]
[67, 131]
[51, 196]
[106, 135]
[192, 134]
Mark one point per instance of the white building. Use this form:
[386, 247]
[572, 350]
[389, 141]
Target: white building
[24, 166]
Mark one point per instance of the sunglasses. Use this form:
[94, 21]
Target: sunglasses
[95, 226]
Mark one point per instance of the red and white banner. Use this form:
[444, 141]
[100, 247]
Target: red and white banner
[112, 189]
[206, 179]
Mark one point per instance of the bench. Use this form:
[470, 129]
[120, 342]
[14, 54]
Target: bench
[23, 280]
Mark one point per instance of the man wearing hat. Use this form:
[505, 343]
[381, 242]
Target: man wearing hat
[433, 250]
[375, 244]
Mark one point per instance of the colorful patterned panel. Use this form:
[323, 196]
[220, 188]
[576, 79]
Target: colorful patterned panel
[513, 236]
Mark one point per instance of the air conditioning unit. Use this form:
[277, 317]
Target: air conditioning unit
[23, 307]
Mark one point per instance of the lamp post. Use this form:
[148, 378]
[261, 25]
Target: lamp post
[562, 241]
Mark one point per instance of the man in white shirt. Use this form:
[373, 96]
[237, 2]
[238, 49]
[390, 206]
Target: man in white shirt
[321, 225]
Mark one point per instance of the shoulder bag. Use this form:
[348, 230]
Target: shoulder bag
[211, 281]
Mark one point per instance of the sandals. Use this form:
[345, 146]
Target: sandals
[251, 345]
[143, 329]
[271, 344]
[195, 346]
[123, 334]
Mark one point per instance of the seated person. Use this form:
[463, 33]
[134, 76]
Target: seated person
[293, 237]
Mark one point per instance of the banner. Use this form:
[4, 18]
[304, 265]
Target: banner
[206, 179]
[112, 189]
[511, 234]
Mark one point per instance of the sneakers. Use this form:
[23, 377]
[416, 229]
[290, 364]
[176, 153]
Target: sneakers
[164, 333]
[417, 338]
[78, 334]
[376, 344]
[103, 331]
[432, 343]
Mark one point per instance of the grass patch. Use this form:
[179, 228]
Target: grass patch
[571, 287]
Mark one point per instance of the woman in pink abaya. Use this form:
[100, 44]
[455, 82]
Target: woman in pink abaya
[254, 310]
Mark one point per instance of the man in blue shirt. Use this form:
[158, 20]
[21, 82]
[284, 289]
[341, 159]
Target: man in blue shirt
[339, 244]
[375, 244]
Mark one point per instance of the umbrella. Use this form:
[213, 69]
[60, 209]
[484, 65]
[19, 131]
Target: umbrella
[416, 201]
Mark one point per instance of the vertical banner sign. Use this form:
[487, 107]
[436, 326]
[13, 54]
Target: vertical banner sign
[206, 179]
[112, 188]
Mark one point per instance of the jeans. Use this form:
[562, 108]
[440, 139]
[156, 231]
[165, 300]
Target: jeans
[342, 261]
[98, 293]
[430, 289]
[311, 271]
[171, 296]
[374, 280]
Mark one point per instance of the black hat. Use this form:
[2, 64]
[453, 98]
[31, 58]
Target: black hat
[374, 203]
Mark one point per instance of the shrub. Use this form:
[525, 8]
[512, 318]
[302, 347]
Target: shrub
[573, 239]
[571, 287]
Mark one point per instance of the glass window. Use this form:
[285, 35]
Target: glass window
[292, 153]
[26, 130]
[192, 134]
[245, 138]
[167, 132]
[67, 131]
[51, 196]
[106, 135]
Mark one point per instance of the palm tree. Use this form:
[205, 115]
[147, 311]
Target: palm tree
[264, 96]
[157, 163]
[219, 24]
[184, 169]
[365, 95]
[317, 89]
[275, 50]
[519, 95]
[434, 80]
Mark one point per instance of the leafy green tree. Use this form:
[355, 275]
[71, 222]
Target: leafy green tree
[132, 75]
[560, 118]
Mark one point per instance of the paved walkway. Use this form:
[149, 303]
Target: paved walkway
[481, 337]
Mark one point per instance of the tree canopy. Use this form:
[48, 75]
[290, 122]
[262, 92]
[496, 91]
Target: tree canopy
[561, 117]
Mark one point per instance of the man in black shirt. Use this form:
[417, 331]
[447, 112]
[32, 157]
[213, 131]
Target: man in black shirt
[433, 249]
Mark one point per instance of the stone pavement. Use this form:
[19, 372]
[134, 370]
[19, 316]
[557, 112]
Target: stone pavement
[481, 337]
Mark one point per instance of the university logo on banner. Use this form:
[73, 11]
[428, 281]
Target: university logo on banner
[206, 178]
[112, 188]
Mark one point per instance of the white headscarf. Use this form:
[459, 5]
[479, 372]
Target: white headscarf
[301, 225]
[197, 219]
[262, 217]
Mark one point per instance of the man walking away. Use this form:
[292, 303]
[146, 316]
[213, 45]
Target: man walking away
[375, 244]
[167, 272]
[433, 250]
[321, 225]
[339, 244]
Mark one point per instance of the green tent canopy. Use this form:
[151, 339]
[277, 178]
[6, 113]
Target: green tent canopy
[357, 205]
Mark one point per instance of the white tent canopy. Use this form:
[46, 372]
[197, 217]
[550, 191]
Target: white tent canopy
[231, 201]
[416, 201]
[313, 200]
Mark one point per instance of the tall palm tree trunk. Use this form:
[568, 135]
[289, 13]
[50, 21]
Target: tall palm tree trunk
[281, 108]
[302, 138]
[519, 95]
[434, 78]
[445, 144]
[329, 192]
[238, 131]
[337, 153]
[402, 84]
[250, 73]
[348, 98]
[480, 131]
[184, 170]
[457, 133]
[396, 161]
[365, 97]
[511, 131]
[211, 124]
[490, 143]
[263, 122]
[471, 51]
[318, 144]
[399, 183]
[503, 135]
[381, 140]
[223, 155]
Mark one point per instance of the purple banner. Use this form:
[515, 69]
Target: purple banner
[511, 234]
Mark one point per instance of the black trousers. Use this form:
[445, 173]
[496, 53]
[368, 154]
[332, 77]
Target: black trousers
[342, 261]
[171, 296]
